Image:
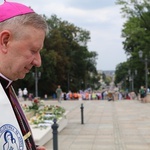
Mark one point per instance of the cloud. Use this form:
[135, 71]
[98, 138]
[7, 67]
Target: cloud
[88, 4]
[101, 17]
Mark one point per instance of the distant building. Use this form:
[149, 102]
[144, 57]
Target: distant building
[109, 72]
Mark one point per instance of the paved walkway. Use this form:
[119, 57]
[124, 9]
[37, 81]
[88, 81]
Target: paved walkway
[119, 125]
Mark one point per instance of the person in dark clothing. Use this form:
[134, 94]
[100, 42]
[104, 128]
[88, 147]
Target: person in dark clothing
[65, 96]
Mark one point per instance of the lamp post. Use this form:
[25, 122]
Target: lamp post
[68, 82]
[37, 76]
[146, 66]
[131, 78]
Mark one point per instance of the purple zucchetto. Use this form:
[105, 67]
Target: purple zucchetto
[11, 9]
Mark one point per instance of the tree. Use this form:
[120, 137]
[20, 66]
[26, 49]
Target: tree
[65, 57]
[136, 31]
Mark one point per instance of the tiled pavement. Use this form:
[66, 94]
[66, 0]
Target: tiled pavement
[119, 125]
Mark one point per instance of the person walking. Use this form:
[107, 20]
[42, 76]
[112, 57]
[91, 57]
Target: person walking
[142, 92]
[59, 93]
[110, 96]
[25, 94]
[20, 94]
[22, 34]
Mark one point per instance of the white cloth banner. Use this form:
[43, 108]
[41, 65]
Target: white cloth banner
[11, 137]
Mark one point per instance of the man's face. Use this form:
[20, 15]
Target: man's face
[24, 53]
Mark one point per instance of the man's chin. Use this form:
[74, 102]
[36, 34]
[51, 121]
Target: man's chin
[21, 77]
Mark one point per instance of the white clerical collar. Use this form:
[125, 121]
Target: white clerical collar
[9, 81]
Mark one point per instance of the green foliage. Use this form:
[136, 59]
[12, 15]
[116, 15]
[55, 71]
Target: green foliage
[65, 57]
[121, 72]
[136, 34]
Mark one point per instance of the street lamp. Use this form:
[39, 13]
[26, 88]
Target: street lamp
[131, 78]
[37, 76]
[68, 82]
[146, 70]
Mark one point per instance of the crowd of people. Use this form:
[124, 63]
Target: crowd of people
[98, 95]
[103, 94]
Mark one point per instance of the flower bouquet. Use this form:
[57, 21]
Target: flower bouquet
[43, 115]
[35, 106]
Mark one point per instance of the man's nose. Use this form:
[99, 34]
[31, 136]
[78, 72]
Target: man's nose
[37, 60]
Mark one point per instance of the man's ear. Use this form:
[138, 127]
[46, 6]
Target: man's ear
[4, 39]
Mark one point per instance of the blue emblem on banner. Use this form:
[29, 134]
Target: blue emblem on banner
[10, 138]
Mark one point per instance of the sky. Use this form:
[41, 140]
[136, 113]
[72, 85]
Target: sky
[102, 18]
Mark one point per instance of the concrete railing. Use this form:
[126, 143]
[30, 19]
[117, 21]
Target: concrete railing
[148, 98]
